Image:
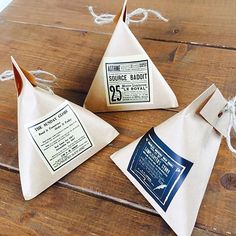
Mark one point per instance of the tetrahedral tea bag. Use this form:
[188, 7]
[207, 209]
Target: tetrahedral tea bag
[54, 135]
[171, 164]
[126, 78]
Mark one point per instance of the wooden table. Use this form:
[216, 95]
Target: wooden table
[193, 50]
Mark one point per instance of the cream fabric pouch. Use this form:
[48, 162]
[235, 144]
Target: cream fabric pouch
[126, 78]
[54, 135]
[172, 163]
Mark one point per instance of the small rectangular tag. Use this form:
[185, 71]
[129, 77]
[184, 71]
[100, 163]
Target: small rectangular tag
[158, 169]
[212, 113]
[128, 80]
[59, 137]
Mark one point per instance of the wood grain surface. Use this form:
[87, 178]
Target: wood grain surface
[204, 22]
[96, 198]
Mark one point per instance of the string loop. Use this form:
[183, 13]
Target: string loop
[231, 108]
[108, 18]
[43, 83]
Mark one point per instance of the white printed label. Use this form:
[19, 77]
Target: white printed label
[59, 137]
[128, 80]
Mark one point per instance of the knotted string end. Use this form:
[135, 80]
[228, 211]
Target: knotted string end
[107, 18]
[43, 83]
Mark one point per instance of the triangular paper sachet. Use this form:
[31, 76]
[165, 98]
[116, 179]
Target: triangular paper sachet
[54, 135]
[127, 79]
[172, 163]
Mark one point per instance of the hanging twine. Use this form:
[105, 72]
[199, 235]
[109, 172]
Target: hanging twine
[43, 83]
[231, 108]
[108, 18]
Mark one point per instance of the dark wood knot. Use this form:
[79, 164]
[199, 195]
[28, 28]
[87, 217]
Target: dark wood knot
[175, 31]
[228, 181]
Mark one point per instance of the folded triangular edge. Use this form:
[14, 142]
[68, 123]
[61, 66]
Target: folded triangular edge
[106, 95]
[21, 76]
[122, 13]
[37, 107]
[215, 114]
[198, 103]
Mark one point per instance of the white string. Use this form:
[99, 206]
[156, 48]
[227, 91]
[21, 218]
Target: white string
[108, 18]
[7, 75]
[145, 12]
[230, 107]
[101, 19]
[43, 83]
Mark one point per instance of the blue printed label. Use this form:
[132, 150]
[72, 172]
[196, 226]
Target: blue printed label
[158, 169]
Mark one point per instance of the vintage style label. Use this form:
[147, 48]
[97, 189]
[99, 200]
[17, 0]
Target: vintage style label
[128, 80]
[59, 136]
[158, 169]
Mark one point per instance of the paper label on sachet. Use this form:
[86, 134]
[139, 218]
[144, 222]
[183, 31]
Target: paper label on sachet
[158, 169]
[59, 137]
[128, 80]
